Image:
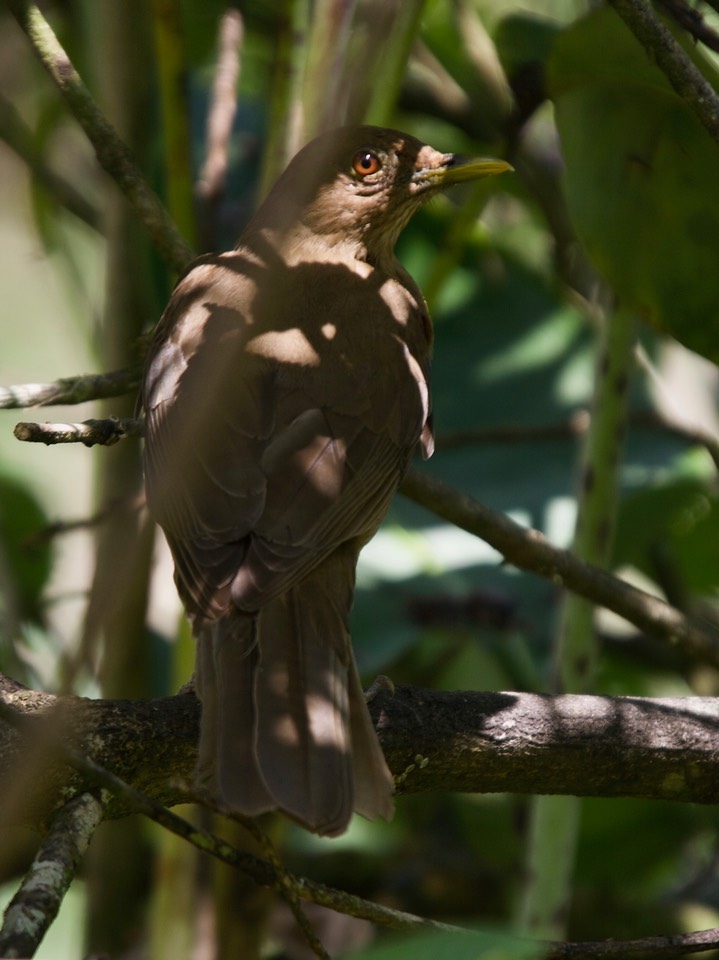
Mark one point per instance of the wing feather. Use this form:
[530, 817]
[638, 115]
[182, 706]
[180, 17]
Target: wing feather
[268, 448]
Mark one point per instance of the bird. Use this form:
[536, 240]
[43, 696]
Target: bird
[285, 391]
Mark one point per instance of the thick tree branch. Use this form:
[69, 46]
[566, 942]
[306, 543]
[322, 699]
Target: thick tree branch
[480, 742]
[529, 550]
[453, 741]
[148, 743]
[434, 741]
[531, 743]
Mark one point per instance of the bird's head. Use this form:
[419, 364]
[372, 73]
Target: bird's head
[361, 185]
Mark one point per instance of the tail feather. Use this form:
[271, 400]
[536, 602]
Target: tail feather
[226, 662]
[303, 740]
[285, 725]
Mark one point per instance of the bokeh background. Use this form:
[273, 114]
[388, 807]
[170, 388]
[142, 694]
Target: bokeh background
[610, 221]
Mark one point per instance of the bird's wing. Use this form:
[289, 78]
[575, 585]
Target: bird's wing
[208, 415]
[331, 482]
[265, 448]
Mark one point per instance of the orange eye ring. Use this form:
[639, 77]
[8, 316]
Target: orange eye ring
[365, 163]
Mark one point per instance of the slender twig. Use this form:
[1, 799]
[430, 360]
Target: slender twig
[61, 528]
[291, 897]
[693, 434]
[575, 426]
[17, 135]
[491, 91]
[645, 948]
[38, 899]
[112, 153]
[71, 390]
[682, 74]
[105, 385]
[90, 432]
[692, 21]
[266, 874]
[526, 549]
[288, 887]
[261, 871]
[529, 550]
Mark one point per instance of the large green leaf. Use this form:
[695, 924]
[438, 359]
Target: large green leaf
[642, 179]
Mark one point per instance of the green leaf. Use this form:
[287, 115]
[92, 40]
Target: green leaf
[642, 179]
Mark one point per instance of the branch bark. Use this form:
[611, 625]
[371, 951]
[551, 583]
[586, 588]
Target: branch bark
[467, 741]
[529, 550]
[672, 60]
[90, 432]
[466, 736]
[37, 901]
[112, 153]
[71, 390]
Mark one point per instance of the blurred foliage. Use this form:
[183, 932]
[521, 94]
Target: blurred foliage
[613, 158]
[674, 523]
[642, 179]
[26, 560]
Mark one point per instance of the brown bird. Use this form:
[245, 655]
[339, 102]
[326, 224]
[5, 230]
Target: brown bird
[285, 392]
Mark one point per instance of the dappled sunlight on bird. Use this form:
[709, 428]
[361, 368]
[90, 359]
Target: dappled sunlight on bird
[285, 393]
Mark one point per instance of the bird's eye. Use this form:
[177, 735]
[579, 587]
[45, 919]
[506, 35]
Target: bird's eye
[365, 163]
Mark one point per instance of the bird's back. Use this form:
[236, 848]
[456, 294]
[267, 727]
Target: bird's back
[279, 421]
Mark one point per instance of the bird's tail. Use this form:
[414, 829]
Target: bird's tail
[284, 722]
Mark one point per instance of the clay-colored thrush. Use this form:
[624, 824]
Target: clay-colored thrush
[285, 392]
